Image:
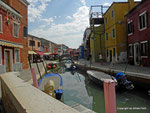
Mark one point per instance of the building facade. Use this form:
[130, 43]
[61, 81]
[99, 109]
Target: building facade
[44, 45]
[115, 31]
[62, 49]
[97, 43]
[13, 35]
[34, 43]
[138, 34]
[86, 43]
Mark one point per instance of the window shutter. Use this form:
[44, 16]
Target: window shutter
[25, 31]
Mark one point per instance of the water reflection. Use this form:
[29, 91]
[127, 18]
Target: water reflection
[78, 88]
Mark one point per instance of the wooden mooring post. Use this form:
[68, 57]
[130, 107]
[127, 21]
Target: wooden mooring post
[110, 96]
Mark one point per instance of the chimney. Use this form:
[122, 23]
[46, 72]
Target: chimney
[131, 4]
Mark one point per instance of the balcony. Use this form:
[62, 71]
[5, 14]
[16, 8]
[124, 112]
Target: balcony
[96, 14]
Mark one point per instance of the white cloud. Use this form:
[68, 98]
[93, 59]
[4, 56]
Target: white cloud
[106, 4]
[69, 33]
[55, 17]
[48, 21]
[69, 17]
[36, 8]
[83, 2]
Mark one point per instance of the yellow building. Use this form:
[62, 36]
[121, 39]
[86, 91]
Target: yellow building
[115, 31]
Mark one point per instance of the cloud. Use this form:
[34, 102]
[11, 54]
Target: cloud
[48, 21]
[106, 4]
[83, 2]
[69, 17]
[69, 33]
[36, 8]
[55, 17]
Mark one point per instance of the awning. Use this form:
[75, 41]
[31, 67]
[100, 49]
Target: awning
[54, 54]
[10, 44]
[47, 53]
[39, 52]
[32, 52]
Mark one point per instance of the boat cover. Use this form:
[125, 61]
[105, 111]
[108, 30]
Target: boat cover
[50, 75]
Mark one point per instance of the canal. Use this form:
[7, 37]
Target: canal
[78, 88]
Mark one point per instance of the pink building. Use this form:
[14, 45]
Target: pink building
[138, 24]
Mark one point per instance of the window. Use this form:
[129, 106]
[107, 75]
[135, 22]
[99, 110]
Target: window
[143, 21]
[130, 27]
[32, 43]
[114, 52]
[38, 44]
[131, 49]
[144, 49]
[113, 33]
[106, 20]
[17, 55]
[106, 36]
[1, 24]
[112, 13]
[107, 52]
[0, 55]
[25, 31]
[16, 30]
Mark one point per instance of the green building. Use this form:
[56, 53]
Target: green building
[97, 42]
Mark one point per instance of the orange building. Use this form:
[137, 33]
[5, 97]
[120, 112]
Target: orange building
[13, 35]
[34, 43]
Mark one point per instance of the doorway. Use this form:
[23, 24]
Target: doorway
[8, 61]
[110, 52]
[136, 54]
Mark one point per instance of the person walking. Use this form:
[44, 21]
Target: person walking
[101, 58]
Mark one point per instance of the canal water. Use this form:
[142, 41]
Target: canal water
[80, 89]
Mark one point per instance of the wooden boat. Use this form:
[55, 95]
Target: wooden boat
[120, 79]
[98, 77]
[52, 84]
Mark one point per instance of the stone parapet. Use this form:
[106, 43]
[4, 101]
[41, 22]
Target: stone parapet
[21, 97]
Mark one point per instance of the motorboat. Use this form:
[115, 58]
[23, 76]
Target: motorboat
[120, 79]
[51, 66]
[68, 64]
[98, 77]
[52, 84]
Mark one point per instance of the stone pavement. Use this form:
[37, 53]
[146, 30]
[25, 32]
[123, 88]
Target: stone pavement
[119, 67]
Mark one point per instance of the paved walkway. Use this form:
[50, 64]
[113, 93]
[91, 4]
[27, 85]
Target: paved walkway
[119, 67]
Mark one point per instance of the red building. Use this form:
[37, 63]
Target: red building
[138, 23]
[13, 34]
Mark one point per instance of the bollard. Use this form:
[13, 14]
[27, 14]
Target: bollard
[35, 83]
[110, 96]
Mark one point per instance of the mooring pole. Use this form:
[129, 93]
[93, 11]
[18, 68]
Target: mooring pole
[44, 66]
[38, 69]
[35, 83]
[110, 96]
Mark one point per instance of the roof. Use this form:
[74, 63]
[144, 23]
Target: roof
[113, 4]
[140, 3]
[7, 7]
[25, 2]
[117, 3]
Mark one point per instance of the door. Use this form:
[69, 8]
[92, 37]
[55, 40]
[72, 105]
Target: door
[7, 61]
[136, 54]
[110, 55]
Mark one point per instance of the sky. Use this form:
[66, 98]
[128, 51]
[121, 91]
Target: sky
[61, 21]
